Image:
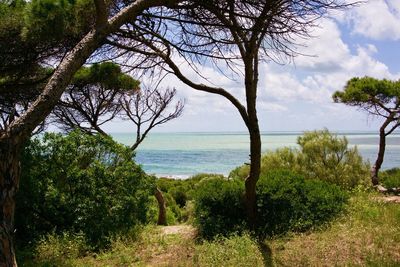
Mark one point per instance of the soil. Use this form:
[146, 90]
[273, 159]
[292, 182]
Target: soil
[179, 253]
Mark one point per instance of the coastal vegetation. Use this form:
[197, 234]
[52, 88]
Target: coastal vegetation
[80, 199]
[99, 222]
[365, 233]
[321, 155]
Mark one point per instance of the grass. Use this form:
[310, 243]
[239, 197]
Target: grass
[367, 235]
[230, 251]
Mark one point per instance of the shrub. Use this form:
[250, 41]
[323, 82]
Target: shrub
[219, 208]
[286, 201]
[327, 157]
[391, 178]
[178, 192]
[80, 183]
[322, 155]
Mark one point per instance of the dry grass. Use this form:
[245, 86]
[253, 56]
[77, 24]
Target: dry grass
[368, 235]
[155, 247]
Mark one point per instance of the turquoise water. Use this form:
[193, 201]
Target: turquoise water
[185, 154]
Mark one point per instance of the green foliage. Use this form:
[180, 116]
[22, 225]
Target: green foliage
[326, 157]
[178, 193]
[377, 97]
[288, 202]
[322, 156]
[219, 207]
[31, 33]
[391, 178]
[366, 91]
[108, 74]
[57, 19]
[285, 202]
[80, 183]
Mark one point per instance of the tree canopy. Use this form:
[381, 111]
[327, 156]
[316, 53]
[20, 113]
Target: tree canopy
[377, 97]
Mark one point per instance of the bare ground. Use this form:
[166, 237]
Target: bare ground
[178, 249]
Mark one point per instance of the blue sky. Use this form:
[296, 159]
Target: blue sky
[361, 41]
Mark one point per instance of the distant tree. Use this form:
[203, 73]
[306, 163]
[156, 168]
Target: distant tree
[92, 98]
[102, 92]
[379, 98]
[148, 108]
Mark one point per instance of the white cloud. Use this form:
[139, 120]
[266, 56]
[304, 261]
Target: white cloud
[326, 51]
[376, 19]
[315, 78]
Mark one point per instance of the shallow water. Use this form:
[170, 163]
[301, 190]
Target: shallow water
[185, 154]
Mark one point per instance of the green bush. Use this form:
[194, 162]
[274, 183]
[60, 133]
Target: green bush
[80, 183]
[219, 208]
[178, 193]
[322, 156]
[285, 202]
[391, 178]
[288, 202]
[327, 157]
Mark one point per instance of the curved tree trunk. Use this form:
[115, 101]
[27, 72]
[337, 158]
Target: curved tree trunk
[162, 212]
[379, 160]
[381, 152]
[9, 180]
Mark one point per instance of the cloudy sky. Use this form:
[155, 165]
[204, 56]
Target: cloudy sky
[363, 41]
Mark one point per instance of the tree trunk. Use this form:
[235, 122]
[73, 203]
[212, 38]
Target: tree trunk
[381, 152]
[251, 180]
[162, 212]
[9, 181]
[379, 160]
[251, 81]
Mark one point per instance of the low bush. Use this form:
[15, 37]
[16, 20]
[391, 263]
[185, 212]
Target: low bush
[391, 178]
[322, 156]
[219, 208]
[285, 202]
[288, 202]
[80, 184]
[178, 193]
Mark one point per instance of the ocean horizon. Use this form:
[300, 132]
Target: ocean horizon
[184, 154]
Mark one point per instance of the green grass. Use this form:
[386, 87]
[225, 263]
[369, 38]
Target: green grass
[368, 234]
[229, 251]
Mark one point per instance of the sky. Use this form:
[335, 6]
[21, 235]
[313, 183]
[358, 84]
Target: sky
[361, 41]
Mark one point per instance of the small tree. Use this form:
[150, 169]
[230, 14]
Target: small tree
[379, 98]
[92, 99]
[101, 92]
[149, 108]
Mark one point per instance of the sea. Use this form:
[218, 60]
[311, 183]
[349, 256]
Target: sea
[181, 155]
